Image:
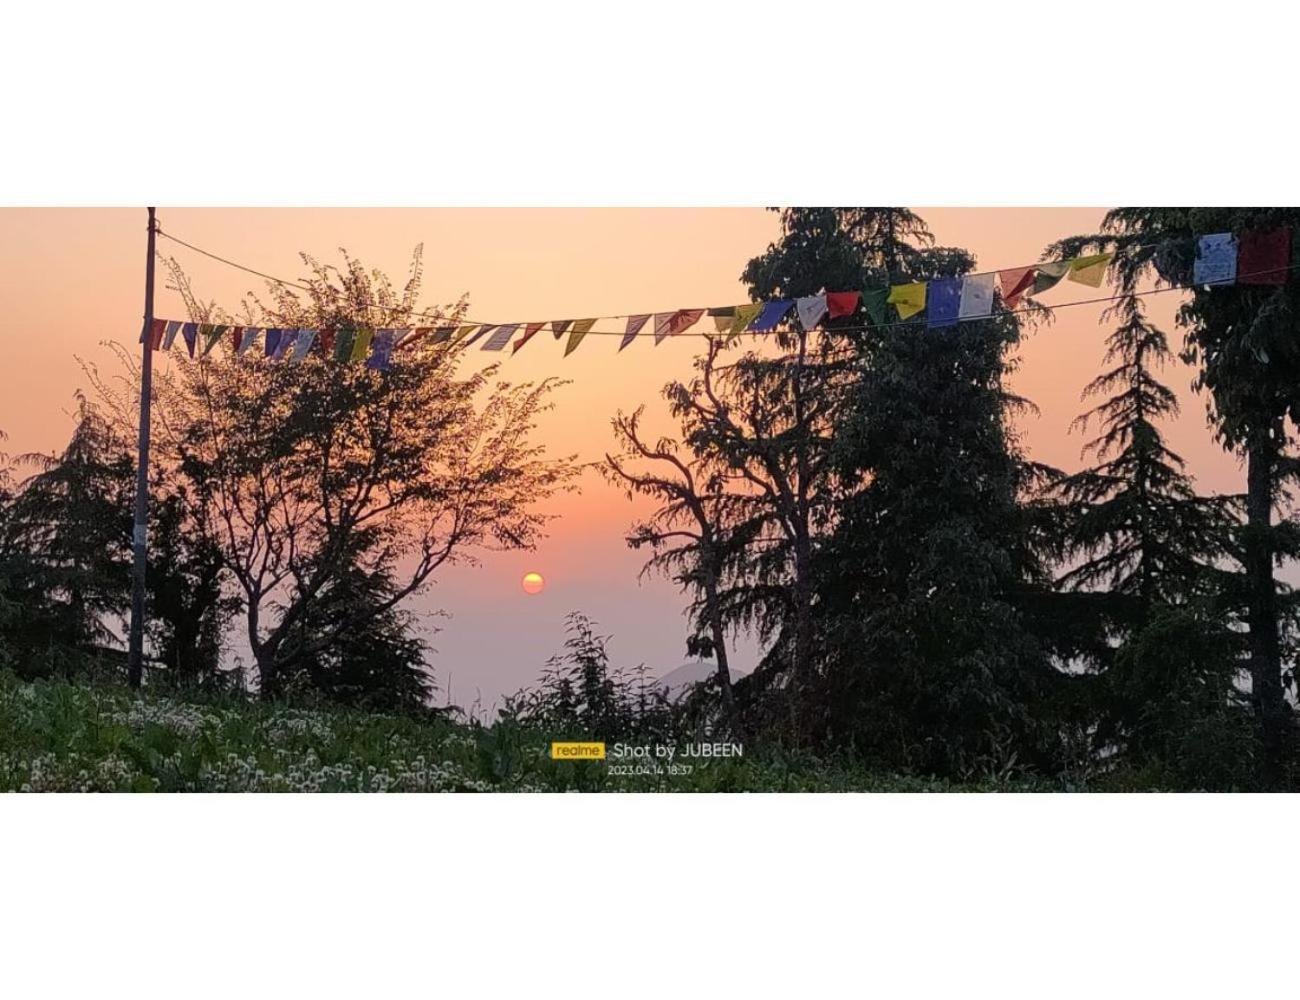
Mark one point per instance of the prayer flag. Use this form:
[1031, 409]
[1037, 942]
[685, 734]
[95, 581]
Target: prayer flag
[443, 334]
[976, 296]
[500, 337]
[1015, 282]
[942, 301]
[249, 338]
[190, 334]
[236, 337]
[169, 334]
[343, 344]
[326, 341]
[215, 334]
[1049, 275]
[529, 331]
[273, 335]
[302, 345]
[1216, 260]
[1090, 270]
[683, 320]
[580, 330]
[559, 326]
[156, 331]
[1263, 257]
[415, 336]
[772, 314]
[909, 299]
[842, 303]
[382, 351]
[634, 325]
[723, 317]
[478, 334]
[287, 338]
[361, 341]
[745, 315]
[662, 320]
[811, 309]
[874, 303]
[463, 332]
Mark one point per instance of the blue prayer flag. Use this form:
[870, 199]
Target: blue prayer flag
[772, 314]
[942, 301]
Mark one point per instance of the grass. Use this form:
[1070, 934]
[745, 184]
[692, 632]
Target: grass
[58, 735]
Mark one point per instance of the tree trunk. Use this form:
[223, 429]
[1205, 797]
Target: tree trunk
[720, 654]
[1265, 651]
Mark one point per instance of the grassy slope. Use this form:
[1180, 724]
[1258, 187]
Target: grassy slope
[63, 736]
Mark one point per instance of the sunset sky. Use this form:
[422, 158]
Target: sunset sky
[73, 278]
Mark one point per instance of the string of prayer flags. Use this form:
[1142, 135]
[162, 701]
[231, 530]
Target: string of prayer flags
[1264, 257]
[976, 296]
[842, 304]
[662, 320]
[634, 325]
[908, 299]
[1049, 275]
[943, 299]
[1090, 270]
[772, 314]
[580, 330]
[500, 337]
[382, 351]
[810, 309]
[529, 332]
[559, 326]
[1216, 260]
[745, 315]
[722, 317]
[302, 346]
[1015, 283]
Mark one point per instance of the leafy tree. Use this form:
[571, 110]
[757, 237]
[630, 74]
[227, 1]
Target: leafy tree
[308, 473]
[691, 536]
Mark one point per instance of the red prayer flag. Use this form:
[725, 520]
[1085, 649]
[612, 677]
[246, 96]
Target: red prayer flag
[156, 330]
[842, 303]
[325, 341]
[529, 330]
[684, 319]
[1015, 282]
[1263, 257]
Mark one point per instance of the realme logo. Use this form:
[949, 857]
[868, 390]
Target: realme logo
[577, 751]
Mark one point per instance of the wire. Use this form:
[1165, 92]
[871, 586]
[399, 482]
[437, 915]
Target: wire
[756, 333]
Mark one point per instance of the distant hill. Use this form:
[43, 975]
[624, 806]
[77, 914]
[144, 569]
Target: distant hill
[676, 682]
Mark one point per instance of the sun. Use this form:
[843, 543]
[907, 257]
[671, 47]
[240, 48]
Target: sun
[533, 583]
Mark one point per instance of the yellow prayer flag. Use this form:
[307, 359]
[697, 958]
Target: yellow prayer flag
[723, 323]
[745, 315]
[463, 332]
[579, 331]
[361, 343]
[1090, 270]
[909, 299]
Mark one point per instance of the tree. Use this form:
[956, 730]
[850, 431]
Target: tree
[690, 536]
[308, 473]
[1243, 340]
[67, 539]
[1138, 535]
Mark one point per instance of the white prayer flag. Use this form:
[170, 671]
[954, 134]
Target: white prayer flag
[1216, 260]
[251, 333]
[662, 320]
[302, 345]
[173, 327]
[976, 296]
[810, 309]
[500, 337]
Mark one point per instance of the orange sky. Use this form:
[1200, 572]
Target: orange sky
[71, 278]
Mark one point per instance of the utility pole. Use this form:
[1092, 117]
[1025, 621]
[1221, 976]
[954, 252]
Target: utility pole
[140, 536]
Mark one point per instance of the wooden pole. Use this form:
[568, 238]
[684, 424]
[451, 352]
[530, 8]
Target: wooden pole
[140, 535]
